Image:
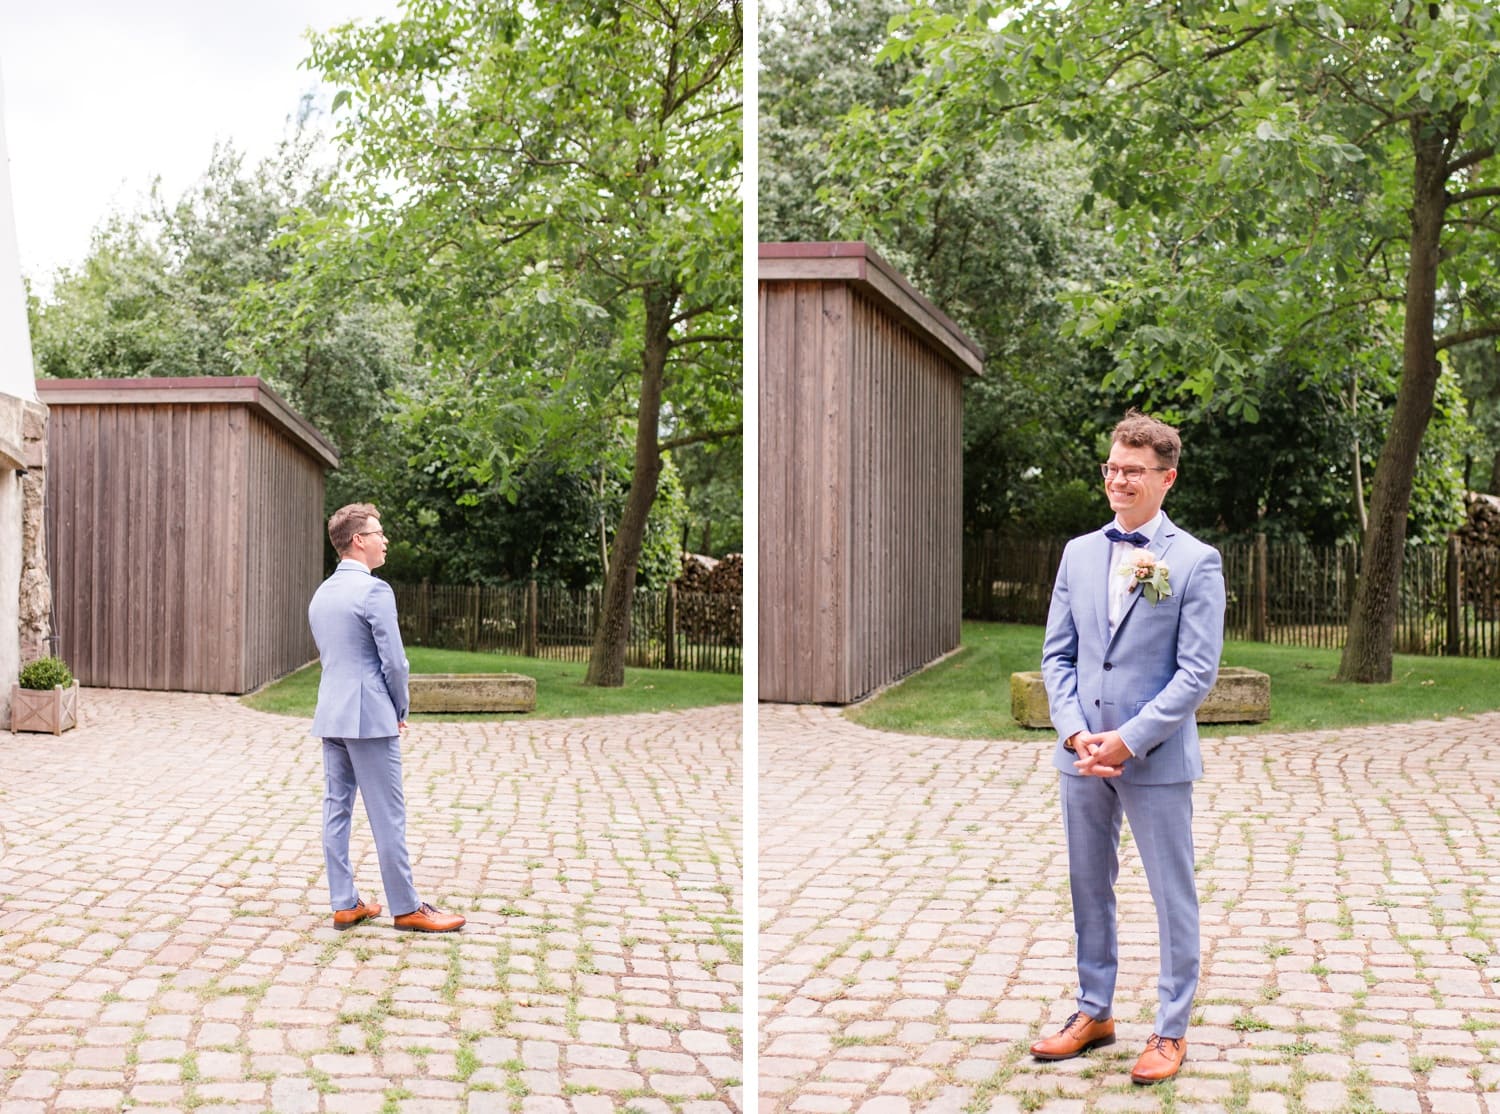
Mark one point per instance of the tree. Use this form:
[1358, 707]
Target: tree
[553, 188]
[174, 289]
[119, 314]
[1287, 172]
[990, 235]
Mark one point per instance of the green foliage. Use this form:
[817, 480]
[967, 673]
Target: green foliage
[554, 191]
[1478, 368]
[522, 177]
[713, 491]
[45, 673]
[989, 233]
[1255, 165]
[120, 314]
[450, 529]
[181, 290]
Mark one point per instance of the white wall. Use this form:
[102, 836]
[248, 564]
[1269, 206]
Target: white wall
[17, 376]
[17, 381]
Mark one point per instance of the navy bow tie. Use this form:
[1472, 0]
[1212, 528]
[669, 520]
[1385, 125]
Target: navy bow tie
[1135, 537]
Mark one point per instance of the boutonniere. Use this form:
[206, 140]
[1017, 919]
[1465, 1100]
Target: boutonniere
[1148, 574]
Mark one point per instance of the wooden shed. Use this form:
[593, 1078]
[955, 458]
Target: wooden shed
[861, 473]
[185, 531]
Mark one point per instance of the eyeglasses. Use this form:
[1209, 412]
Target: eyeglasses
[367, 533]
[1130, 473]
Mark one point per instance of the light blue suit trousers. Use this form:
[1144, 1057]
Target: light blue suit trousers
[1145, 680]
[362, 698]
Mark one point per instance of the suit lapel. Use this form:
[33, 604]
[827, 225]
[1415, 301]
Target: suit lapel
[1105, 558]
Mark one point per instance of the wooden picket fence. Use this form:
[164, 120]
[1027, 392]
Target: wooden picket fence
[668, 629]
[1283, 593]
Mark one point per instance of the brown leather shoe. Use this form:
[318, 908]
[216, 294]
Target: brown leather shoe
[1161, 1060]
[345, 919]
[428, 919]
[1078, 1034]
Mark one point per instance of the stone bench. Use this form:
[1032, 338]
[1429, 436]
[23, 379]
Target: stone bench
[472, 692]
[1239, 696]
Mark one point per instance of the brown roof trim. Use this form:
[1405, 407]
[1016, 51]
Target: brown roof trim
[243, 390]
[856, 262]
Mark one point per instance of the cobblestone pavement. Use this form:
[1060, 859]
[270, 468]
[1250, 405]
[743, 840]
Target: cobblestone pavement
[165, 938]
[916, 930]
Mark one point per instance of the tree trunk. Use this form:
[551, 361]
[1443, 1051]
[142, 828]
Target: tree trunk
[1372, 619]
[1361, 516]
[607, 659]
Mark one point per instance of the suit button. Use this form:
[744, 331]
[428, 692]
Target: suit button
[1096, 703]
[1109, 665]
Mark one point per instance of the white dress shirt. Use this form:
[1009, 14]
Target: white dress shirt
[1119, 552]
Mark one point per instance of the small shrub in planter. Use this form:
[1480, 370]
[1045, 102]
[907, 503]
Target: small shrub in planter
[44, 698]
[46, 673]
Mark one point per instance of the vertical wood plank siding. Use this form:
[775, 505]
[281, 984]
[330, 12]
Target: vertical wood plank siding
[286, 565]
[185, 539]
[860, 554]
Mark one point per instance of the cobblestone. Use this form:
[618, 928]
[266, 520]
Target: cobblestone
[916, 930]
[165, 937]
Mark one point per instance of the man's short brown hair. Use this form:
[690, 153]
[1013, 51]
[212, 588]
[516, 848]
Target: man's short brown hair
[1140, 431]
[348, 521]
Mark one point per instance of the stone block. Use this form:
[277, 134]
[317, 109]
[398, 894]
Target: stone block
[472, 692]
[1240, 695]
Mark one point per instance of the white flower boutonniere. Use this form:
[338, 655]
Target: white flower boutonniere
[1148, 574]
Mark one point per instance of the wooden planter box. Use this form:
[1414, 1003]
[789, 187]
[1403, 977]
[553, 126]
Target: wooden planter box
[52, 710]
[472, 692]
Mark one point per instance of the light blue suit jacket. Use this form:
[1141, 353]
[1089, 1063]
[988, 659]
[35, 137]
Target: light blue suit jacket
[363, 693]
[1147, 681]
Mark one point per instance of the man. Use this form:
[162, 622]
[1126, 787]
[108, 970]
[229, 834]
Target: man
[362, 706]
[1132, 648]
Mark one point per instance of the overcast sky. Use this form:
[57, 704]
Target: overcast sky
[101, 96]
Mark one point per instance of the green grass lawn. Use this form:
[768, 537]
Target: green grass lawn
[560, 691]
[967, 695]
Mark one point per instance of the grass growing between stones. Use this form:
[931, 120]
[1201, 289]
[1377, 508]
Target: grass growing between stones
[560, 691]
[967, 694]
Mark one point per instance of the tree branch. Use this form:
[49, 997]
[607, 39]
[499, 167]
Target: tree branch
[1341, 306]
[1470, 195]
[1452, 340]
[699, 438]
[1463, 162]
[1229, 48]
[705, 338]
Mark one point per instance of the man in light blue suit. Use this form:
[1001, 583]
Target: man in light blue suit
[362, 706]
[1134, 635]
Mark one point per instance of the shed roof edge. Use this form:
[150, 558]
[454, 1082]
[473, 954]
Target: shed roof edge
[244, 390]
[856, 262]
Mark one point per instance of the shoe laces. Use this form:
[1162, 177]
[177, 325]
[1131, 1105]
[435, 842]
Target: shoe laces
[1068, 1024]
[1160, 1044]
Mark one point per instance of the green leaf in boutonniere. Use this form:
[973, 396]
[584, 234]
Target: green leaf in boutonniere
[1148, 574]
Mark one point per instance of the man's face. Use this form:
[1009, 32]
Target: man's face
[1136, 501]
[370, 543]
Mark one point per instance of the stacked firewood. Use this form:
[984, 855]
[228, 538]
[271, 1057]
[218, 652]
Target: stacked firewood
[709, 594]
[1482, 527]
[1481, 531]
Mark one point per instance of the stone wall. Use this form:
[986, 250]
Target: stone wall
[25, 588]
[35, 596]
